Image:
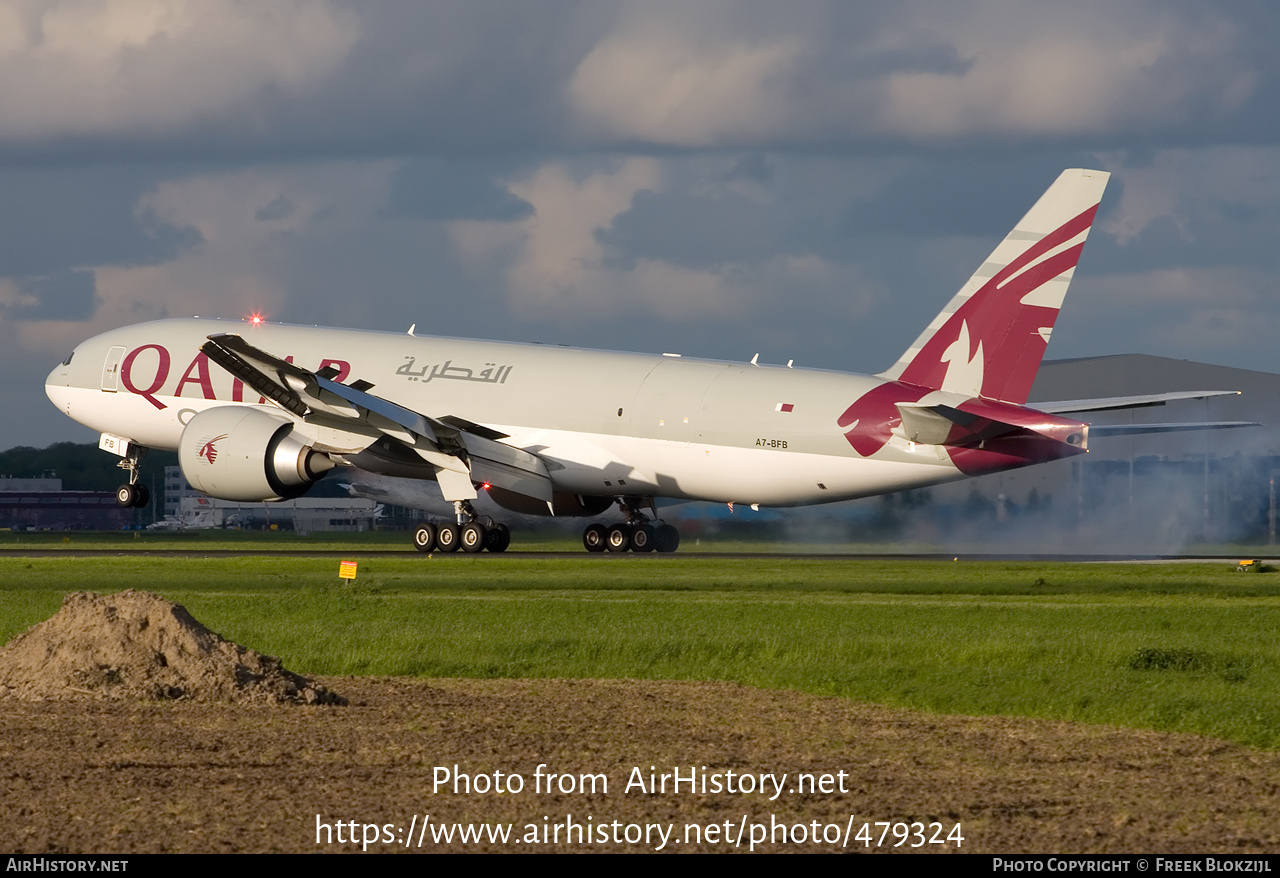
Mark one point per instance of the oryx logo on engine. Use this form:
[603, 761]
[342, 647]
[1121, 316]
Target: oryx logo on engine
[209, 451]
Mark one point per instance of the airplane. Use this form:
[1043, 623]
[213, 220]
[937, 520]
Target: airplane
[262, 411]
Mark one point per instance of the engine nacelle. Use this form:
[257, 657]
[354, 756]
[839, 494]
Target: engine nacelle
[243, 453]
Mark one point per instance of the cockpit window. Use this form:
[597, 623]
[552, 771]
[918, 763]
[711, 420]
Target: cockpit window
[67, 361]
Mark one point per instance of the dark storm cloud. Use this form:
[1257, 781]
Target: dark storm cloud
[279, 208]
[1203, 241]
[693, 231]
[385, 79]
[56, 218]
[493, 78]
[386, 276]
[830, 172]
[452, 79]
[433, 189]
[756, 167]
[964, 195]
[461, 79]
[63, 295]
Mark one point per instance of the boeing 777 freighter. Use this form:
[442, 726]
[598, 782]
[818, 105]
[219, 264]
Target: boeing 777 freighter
[260, 411]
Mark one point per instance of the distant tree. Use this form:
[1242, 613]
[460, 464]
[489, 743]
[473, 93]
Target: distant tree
[81, 467]
[977, 506]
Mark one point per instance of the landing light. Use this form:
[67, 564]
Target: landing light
[256, 318]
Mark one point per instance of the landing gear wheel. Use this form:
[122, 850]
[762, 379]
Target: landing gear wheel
[472, 537]
[666, 539]
[131, 494]
[424, 537]
[642, 538]
[498, 538]
[447, 537]
[594, 537]
[619, 538]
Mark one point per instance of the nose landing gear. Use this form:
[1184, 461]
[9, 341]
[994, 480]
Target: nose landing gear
[132, 494]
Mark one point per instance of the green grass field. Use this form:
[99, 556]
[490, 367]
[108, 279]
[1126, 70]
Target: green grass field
[1186, 647]
[554, 537]
[545, 540]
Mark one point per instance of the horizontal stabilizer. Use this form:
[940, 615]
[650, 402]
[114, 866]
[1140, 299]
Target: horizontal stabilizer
[1139, 429]
[1125, 402]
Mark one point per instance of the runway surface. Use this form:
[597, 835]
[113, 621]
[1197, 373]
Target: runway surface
[17, 552]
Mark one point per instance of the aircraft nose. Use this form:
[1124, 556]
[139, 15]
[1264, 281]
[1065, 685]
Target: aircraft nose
[57, 383]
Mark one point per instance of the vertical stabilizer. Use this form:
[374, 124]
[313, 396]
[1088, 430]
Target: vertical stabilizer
[990, 338]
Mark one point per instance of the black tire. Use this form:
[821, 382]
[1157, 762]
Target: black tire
[498, 538]
[424, 537]
[472, 537]
[141, 496]
[447, 537]
[619, 538]
[666, 539]
[126, 495]
[642, 538]
[594, 536]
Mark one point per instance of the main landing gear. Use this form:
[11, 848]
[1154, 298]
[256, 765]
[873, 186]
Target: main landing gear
[636, 534]
[132, 494]
[472, 533]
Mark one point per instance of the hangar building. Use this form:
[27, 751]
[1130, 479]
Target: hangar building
[1161, 491]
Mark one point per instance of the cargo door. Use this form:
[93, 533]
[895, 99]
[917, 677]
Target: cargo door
[111, 369]
[669, 404]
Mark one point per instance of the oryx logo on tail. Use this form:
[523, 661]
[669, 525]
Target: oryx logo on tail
[964, 370]
[988, 341]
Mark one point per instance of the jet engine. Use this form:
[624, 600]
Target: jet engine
[243, 453]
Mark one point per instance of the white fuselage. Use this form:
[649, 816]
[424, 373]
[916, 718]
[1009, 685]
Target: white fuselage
[606, 423]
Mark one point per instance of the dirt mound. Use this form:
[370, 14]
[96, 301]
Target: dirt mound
[135, 645]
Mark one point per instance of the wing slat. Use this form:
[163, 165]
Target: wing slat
[458, 451]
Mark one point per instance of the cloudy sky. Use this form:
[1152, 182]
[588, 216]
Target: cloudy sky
[806, 180]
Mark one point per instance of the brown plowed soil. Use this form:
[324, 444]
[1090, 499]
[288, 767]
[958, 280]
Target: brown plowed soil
[110, 776]
[130, 728]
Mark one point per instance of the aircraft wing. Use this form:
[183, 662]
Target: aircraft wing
[460, 452]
